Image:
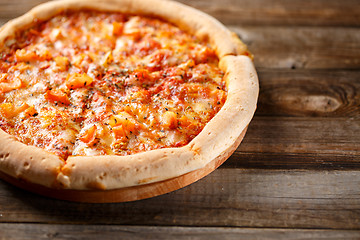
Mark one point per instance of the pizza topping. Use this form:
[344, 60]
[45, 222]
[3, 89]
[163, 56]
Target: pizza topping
[169, 120]
[96, 83]
[10, 110]
[88, 135]
[62, 63]
[57, 95]
[7, 85]
[78, 80]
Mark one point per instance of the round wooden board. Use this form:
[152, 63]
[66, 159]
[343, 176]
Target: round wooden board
[129, 193]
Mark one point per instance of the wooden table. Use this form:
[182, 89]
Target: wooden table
[295, 176]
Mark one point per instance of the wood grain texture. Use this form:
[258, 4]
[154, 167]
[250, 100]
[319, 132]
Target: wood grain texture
[302, 47]
[10, 9]
[302, 135]
[282, 12]
[90, 232]
[309, 93]
[291, 161]
[13, 8]
[245, 12]
[227, 197]
[287, 178]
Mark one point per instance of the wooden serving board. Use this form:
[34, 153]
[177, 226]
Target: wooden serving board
[129, 193]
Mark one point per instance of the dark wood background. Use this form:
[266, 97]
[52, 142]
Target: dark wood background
[295, 176]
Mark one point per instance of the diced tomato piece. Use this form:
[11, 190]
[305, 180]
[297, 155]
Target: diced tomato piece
[128, 122]
[89, 135]
[184, 121]
[57, 95]
[3, 76]
[119, 131]
[31, 111]
[23, 55]
[9, 110]
[8, 86]
[169, 119]
[78, 80]
[62, 63]
[44, 54]
[117, 28]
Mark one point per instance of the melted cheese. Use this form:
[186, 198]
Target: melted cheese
[96, 83]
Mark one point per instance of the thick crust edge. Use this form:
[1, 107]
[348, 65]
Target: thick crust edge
[28, 162]
[111, 172]
[123, 194]
[216, 139]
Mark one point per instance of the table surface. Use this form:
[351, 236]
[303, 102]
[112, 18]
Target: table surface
[295, 176]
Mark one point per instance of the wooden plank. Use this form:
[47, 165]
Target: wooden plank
[290, 161]
[302, 135]
[89, 232]
[302, 47]
[312, 140]
[227, 197]
[282, 12]
[13, 8]
[253, 12]
[309, 93]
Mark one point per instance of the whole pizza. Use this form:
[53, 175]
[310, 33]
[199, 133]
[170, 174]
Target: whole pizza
[118, 100]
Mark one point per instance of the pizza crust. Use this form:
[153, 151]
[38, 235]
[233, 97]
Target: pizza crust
[195, 22]
[109, 172]
[218, 139]
[128, 193]
[28, 162]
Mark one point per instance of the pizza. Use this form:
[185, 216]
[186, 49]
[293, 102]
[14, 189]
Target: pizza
[99, 96]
